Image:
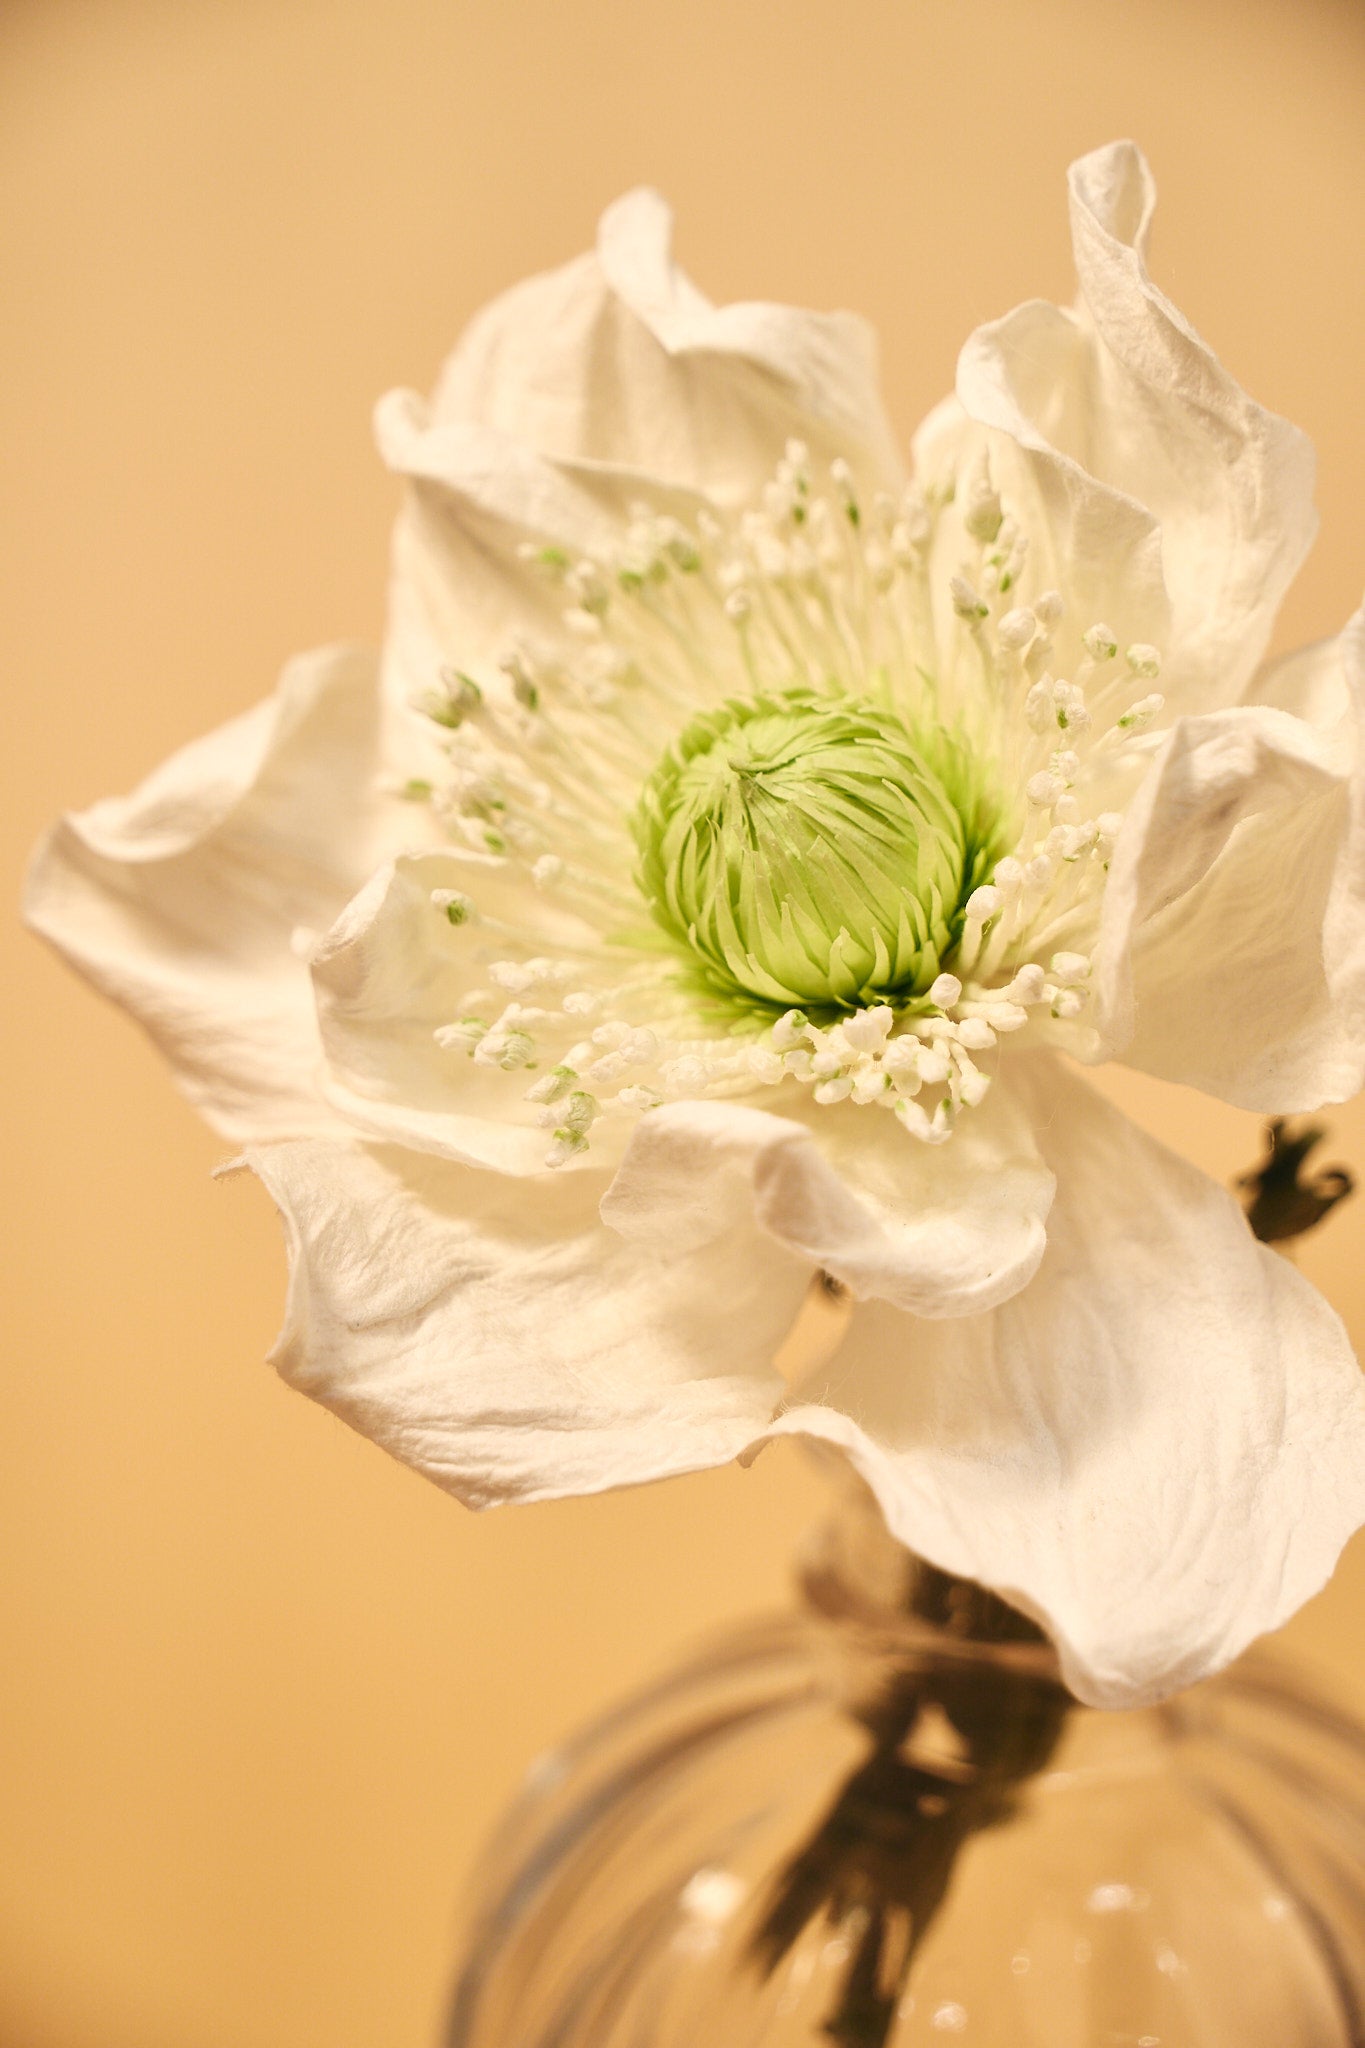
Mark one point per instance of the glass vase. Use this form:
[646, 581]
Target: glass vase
[883, 1821]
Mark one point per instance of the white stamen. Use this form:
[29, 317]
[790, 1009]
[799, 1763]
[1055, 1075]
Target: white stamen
[1027, 986]
[686, 1076]
[930, 1130]
[868, 1030]
[1016, 629]
[567, 1144]
[790, 1030]
[461, 1037]
[638, 1097]
[984, 511]
[933, 1065]
[811, 588]
[972, 1085]
[550, 1087]
[458, 907]
[1140, 715]
[870, 1082]
[1044, 790]
[837, 1089]
[506, 1049]
[975, 1034]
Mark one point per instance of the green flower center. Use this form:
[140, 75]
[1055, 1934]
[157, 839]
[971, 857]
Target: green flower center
[806, 850]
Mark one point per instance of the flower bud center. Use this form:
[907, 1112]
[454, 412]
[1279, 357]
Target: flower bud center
[804, 849]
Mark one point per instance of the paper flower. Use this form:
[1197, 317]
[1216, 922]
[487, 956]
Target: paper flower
[719, 882]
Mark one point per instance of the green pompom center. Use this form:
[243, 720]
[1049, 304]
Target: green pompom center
[806, 850]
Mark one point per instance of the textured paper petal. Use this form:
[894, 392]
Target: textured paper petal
[1096, 545]
[940, 1232]
[1126, 418]
[618, 360]
[1157, 1448]
[1312, 683]
[389, 973]
[180, 901]
[1237, 893]
[514, 1350]
[582, 392]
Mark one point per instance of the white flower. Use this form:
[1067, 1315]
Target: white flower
[716, 884]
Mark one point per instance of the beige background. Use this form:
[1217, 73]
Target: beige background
[262, 1689]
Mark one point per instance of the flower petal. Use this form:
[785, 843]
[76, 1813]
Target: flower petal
[1096, 545]
[1125, 416]
[1157, 1448]
[387, 976]
[579, 393]
[180, 902]
[517, 1351]
[1311, 683]
[618, 360]
[938, 1232]
[1237, 890]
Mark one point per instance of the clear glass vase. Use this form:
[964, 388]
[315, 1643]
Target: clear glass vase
[883, 1821]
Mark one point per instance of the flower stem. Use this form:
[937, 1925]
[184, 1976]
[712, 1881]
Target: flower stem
[953, 1741]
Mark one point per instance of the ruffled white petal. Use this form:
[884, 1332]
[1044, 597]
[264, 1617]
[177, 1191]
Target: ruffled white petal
[617, 360]
[515, 486]
[387, 976]
[182, 901]
[1096, 546]
[1232, 955]
[1157, 1448]
[1311, 683]
[945, 1232]
[1130, 430]
[577, 394]
[514, 1350]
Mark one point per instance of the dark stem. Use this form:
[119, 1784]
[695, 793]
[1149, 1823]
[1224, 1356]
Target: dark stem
[952, 1744]
[1280, 1203]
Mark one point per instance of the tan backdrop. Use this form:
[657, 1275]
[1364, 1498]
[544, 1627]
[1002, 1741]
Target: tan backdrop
[263, 1690]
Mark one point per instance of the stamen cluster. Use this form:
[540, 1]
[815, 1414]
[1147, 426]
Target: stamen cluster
[871, 850]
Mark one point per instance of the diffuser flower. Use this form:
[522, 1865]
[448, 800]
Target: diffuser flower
[719, 882]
